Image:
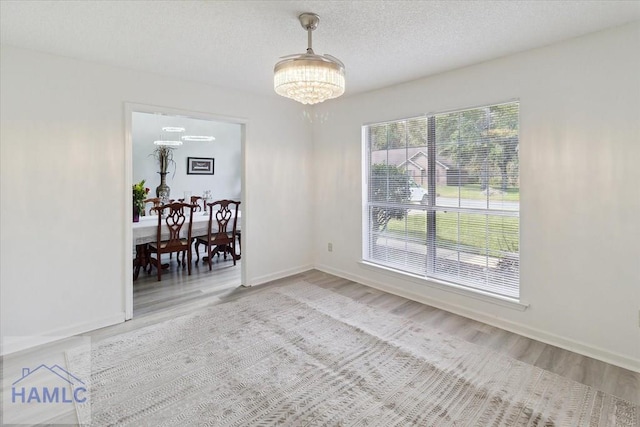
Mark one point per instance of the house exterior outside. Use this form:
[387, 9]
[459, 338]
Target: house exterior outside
[414, 161]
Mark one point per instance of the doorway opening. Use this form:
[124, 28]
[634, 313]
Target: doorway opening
[217, 144]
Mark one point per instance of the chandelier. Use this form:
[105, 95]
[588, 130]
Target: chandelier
[167, 138]
[309, 78]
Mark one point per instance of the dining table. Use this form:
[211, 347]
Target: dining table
[145, 231]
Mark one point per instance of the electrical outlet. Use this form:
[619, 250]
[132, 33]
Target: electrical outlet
[330, 247]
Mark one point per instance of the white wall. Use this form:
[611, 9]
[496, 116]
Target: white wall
[63, 194]
[225, 150]
[580, 191]
[62, 172]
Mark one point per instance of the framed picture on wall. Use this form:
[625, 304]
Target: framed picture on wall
[200, 166]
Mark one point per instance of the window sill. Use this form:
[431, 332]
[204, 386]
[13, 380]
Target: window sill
[477, 294]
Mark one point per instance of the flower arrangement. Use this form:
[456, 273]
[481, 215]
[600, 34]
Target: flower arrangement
[140, 193]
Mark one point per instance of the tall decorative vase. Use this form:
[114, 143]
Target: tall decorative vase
[136, 213]
[163, 188]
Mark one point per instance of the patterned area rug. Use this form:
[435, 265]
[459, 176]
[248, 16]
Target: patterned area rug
[304, 355]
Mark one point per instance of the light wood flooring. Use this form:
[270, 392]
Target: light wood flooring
[600, 375]
[177, 288]
[153, 304]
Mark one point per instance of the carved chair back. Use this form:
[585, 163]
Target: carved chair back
[174, 216]
[223, 216]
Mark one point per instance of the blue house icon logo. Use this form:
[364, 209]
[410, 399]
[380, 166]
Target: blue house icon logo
[48, 384]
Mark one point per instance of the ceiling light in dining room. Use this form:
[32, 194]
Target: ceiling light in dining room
[198, 138]
[309, 78]
[168, 135]
[167, 142]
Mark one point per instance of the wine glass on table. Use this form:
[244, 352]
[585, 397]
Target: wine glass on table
[187, 197]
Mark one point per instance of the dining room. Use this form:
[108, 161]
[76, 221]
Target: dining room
[183, 165]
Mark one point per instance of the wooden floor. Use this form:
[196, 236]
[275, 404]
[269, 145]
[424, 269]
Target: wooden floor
[177, 288]
[155, 303]
[600, 375]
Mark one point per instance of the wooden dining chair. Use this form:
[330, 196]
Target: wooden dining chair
[142, 255]
[221, 231]
[174, 220]
[196, 200]
[155, 201]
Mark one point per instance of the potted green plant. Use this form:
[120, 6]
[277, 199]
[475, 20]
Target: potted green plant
[140, 193]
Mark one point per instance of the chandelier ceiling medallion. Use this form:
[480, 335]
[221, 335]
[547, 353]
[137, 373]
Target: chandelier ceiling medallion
[309, 78]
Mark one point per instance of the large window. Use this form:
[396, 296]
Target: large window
[443, 197]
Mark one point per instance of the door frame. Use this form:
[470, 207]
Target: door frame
[129, 109]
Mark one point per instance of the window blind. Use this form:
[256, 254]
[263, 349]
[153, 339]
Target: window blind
[443, 197]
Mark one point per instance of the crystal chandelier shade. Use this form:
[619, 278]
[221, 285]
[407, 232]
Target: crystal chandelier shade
[309, 78]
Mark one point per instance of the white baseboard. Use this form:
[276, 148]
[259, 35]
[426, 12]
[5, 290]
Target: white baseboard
[518, 328]
[15, 344]
[261, 280]
[11, 344]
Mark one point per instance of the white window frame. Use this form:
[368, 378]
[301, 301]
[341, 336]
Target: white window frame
[431, 209]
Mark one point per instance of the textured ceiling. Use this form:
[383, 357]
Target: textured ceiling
[237, 43]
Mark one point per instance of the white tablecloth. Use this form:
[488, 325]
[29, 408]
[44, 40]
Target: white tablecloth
[145, 230]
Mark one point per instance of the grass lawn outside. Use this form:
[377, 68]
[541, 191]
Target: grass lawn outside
[473, 191]
[473, 233]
